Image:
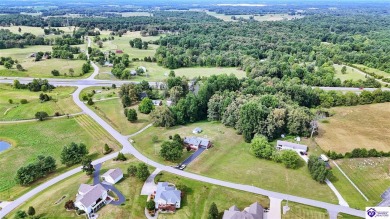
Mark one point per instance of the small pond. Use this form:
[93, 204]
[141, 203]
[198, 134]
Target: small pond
[4, 145]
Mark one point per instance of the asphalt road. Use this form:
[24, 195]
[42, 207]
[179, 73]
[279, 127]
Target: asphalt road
[128, 148]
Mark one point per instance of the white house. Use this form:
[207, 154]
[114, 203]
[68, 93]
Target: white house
[91, 198]
[167, 197]
[143, 68]
[157, 102]
[285, 145]
[112, 176]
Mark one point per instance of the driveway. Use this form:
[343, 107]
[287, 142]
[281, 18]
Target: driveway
[121, 198]
[96, 173]
[193, 156]
[149, 186]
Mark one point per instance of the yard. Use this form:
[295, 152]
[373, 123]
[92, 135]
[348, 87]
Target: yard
[229, 159]
[113, 113]
[130, 187]
[62, 102]
[31, 139]
[364, 126]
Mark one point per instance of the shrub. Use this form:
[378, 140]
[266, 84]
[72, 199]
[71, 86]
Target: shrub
[23, 101]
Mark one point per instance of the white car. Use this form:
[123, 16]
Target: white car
[182, 167]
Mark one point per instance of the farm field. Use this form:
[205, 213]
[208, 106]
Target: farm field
[31, 139]
[229, 159]
[365, 125]
[62, 102]
[129, 186]
[267, 17]
[351, 73]
[113, 112]
[371, 176]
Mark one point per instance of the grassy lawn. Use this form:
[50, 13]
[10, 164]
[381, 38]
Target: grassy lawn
[129, 186]
[100, 93]
[62, 102]
[23, 54]
[366, 123]
[42, 69]
[351, 73]
[45, 138]
[370, 175]
[229, 159]
[200, 196]
[113, 112]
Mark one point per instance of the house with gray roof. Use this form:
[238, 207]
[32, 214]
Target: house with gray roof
[157, 102]
[167, 197]
[91, 198]
[285, 145]
[112, 176]
[197, 142]
[254, 211]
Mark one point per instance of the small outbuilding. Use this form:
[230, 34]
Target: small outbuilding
[133, 72]
[157, 102]
[118, 51]
[112, 176]
[197, 130]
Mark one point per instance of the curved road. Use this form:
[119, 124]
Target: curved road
[128, 148]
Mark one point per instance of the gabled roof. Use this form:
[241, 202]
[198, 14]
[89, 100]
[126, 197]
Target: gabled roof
[113, 173]
[91, 196]
[254, 211]
[167, 193]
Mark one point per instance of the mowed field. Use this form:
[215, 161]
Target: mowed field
[229, 159]
[62, 102]
[351, 73]
[31, 139]
[371, 175]
[159, 73]
[122, 43]
[42, 68]
[364, 126]
[113, 112]
[267, 17]
[37, 31]
[373, 70]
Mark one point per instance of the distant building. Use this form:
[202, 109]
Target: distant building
[157, 102]
[197, 142]
[108, 64]
[167, 197]
[169, 102]
[118, 51]
[91, 198]
[133, 72]
[254, 211]
[197, 130]
[285, 145]
[143, 68]
[143, 95]
[112, 176]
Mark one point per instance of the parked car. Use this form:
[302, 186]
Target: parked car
[177, 166]
[182, 167]
[303, 153]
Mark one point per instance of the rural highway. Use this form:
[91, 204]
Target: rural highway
[129, 149]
